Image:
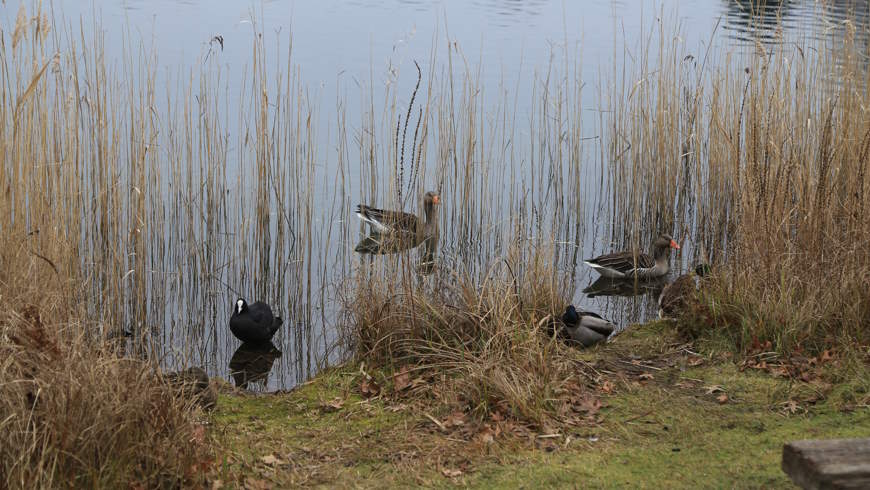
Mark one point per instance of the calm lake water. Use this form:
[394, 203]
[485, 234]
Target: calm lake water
[346, 50]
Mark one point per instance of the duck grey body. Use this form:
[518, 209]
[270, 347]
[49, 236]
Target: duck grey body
[586, 328]
[254, 322]
[622, 265]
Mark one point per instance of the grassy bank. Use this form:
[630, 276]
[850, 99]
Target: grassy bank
[662, 417]
[124, 208]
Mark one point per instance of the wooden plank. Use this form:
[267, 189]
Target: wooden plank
[828, 464]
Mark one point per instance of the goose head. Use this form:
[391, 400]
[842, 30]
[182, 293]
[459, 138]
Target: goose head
[662, 244]
[430, 200]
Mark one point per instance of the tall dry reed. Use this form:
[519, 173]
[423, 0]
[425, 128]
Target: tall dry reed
[759, 156]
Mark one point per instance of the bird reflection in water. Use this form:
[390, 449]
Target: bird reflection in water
[252, 362]
[604, 286]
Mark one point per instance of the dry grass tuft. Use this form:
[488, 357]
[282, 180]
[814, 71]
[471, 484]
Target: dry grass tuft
[487, 336]
[72, 413]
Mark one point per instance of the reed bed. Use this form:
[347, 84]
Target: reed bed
[759, 156]
[147, 202]
[75, 412]
[489, 342]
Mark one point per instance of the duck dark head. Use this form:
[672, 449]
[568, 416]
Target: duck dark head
[241, 306]
[570, 317]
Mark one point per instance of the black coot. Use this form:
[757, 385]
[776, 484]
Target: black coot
[254, 322]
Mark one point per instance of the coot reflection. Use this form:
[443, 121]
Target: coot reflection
[252, 362]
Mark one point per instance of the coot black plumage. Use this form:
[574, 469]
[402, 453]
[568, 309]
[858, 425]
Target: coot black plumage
[254, 322]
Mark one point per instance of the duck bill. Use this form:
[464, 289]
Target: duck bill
[675, 245]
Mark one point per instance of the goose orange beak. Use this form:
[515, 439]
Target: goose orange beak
[675, 245]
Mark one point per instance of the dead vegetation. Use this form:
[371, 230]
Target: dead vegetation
[760, 157]
[73, 413]
[483, 346]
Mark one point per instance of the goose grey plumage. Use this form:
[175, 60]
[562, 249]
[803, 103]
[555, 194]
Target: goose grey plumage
[585, 327]
[675, 296]
[395, 231]
[254, 322]
[628, 264]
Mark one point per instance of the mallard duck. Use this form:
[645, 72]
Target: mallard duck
[395, 231]
[627, 264]
[674, 297]
[254, 323]
[586, 328]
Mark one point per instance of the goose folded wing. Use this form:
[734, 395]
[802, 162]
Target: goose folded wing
[387, 221]
[624, 262]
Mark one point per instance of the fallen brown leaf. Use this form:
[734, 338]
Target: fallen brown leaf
[257, 484]
[369, 388]
[723, 398]
[645, 376]
[402, 380]
[790, 406]
[450, 473]
[714, 389]
[198, 435]
[271, 460]
[455, 419]
[589, 404]
[485, 436]
[333, 405]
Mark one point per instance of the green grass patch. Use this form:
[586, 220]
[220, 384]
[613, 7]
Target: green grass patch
[682, 421]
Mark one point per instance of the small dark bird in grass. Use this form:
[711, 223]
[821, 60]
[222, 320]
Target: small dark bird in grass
[254, 322]
[586, 328]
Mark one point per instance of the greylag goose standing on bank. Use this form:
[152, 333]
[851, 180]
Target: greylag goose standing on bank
[628, 265]
[586, 328]
[254, 323]
[395, 231]
[675, 296]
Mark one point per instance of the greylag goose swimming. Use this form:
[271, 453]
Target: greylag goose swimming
[254, 323]
[676, 295]
[395, 231]
[586, 328]
[629, 265]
